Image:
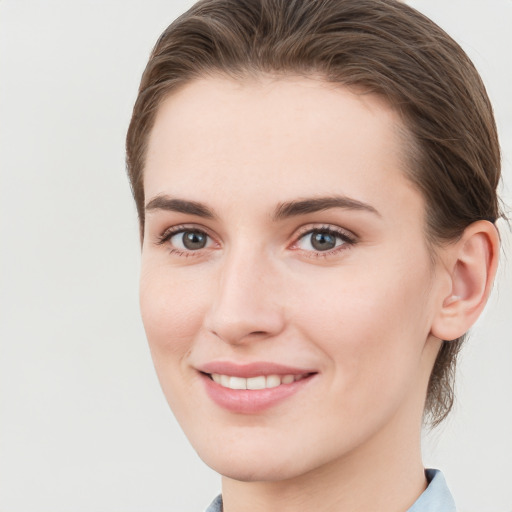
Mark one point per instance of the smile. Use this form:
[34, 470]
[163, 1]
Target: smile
[255, 383]
[253, 388]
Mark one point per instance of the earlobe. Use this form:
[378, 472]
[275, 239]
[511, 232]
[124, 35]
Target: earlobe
[473, 261]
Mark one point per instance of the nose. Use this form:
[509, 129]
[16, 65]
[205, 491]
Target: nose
[245, 305]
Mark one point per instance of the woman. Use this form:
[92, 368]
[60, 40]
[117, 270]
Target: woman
[316, 189]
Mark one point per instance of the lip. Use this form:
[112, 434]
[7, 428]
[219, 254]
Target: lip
[251, 369]
[244, 401]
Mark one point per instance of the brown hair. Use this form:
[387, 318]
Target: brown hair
[379, 46]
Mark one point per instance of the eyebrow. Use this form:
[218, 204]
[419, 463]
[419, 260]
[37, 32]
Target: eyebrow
[163, 202]
[305, 206]
[282, 211]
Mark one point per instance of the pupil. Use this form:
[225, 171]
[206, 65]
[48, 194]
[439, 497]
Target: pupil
[194, 240]
[323, 241]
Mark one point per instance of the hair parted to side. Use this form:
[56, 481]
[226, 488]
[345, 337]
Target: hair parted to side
[378, 46]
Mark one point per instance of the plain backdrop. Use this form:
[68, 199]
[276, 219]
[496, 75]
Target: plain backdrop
[83, 423]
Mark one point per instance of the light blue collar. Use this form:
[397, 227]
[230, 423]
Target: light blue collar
[436, 498]
[216, 505]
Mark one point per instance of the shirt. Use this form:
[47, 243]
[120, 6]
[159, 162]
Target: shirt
[435, 498]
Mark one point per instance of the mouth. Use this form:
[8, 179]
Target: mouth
[255, 383]
[253, 388]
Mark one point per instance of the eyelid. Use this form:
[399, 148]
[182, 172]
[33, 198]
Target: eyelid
[309, 228]
[171, 231]
[349, 238]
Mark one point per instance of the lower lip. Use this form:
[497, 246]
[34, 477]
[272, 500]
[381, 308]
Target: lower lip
[253, 401]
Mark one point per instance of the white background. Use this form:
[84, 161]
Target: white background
[83, 423]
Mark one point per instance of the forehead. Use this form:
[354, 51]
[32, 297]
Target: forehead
[275, 138]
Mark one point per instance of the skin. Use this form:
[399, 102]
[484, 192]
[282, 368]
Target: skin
[365, 315]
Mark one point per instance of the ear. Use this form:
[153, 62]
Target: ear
[471, 263]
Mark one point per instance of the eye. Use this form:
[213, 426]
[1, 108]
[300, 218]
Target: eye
[186, 240]
[322, 240]
[192, 240]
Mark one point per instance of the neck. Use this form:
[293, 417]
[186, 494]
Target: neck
[384, 475]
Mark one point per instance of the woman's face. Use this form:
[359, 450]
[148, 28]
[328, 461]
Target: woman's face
[284, 252]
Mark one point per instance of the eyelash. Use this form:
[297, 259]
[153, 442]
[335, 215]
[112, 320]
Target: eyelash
[347, 240]
[175, 230]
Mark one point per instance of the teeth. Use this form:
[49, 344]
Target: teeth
[260, 382]
[237, 383]
[256, 382]
[273, 381]
[288, 379]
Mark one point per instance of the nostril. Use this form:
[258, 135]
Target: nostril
[237, 323]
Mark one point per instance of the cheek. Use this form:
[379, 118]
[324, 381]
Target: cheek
[172, 306]
[372, 325]
[172, 309]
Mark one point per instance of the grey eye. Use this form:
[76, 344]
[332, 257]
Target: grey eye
[320, 240]
[194, 240]
[323, 241]
[190, 240]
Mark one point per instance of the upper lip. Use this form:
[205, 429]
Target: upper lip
[251, 369]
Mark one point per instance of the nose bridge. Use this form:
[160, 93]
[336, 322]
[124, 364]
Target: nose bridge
[244, 305]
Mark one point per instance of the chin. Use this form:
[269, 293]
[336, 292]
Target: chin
[252, 469]
[247, 474]
[262, 461]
